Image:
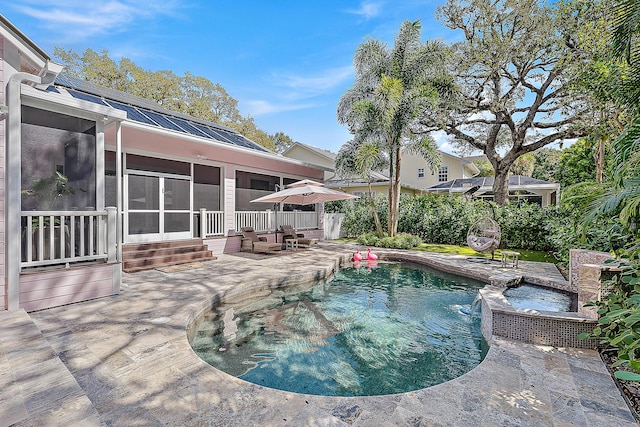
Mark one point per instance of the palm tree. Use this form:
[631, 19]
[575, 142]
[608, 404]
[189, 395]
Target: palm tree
[361, 160]
[392, 87]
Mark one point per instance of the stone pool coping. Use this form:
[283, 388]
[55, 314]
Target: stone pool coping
[125, 360]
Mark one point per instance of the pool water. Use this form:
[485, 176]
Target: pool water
[389, 329]
[538, 298]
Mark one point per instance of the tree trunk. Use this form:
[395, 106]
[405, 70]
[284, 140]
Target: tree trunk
[501, 186]
[375, 211]
[391, 193]
[393, 209]
[599, 157]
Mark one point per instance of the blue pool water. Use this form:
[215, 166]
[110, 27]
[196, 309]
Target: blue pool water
[392, 329]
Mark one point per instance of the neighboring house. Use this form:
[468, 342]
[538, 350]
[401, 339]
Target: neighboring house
[313, 155]
[416, 173]
[520, 188]
[415, 177]
[90, 174]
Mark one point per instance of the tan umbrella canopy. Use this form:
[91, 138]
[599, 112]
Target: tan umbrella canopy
[305, 192]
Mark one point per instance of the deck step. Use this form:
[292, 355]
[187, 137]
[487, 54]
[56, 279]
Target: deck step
[147, 256]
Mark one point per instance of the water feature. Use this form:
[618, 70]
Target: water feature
[538, 298]
[389, 329]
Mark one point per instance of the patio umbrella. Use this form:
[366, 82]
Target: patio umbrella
[304, 194]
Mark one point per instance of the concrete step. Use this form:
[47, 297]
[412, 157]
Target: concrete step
[134, 247]
[147, 256]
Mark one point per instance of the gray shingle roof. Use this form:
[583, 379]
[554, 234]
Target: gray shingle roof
[514, 180]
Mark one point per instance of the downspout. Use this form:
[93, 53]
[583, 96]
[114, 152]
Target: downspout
[13, 172]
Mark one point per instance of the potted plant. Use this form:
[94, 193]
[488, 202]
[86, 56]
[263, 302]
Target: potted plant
[45, 192]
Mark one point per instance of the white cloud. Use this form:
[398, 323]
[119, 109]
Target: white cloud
[87, 18]
[310, 86]
[260, 107]
[367, 9]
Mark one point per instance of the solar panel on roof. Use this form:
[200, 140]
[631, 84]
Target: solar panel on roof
[151, 113]
[163, 121]
[86, 97]
[207, 130]
[189, 127]
[132, 113]
[219, 135]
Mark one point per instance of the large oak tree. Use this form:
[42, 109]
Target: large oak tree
[514, 71]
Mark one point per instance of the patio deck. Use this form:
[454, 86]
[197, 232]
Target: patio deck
[125, 361]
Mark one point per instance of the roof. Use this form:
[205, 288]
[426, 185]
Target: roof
[150, 113]
[324, 153]
[22, 36]
[514, 181]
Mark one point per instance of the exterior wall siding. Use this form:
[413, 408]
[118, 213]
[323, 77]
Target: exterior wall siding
[3, 288]
[59, 287]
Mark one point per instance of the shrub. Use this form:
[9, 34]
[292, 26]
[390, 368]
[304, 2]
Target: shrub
[359, 218]
[400, 241]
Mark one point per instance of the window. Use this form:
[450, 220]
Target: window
[206, 188]
[58, 161]
[443, 174]
[420, 172]
[250, 186]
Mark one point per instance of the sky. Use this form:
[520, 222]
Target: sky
[287, 63]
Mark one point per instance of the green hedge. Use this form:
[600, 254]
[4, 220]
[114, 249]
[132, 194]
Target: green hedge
[446, 219]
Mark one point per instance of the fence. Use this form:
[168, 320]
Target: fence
[269, 220]
[62, 237]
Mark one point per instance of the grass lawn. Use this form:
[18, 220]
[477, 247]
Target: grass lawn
[525, 254]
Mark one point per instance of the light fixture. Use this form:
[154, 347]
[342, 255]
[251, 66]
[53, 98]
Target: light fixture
[4, 109]
[201, 157]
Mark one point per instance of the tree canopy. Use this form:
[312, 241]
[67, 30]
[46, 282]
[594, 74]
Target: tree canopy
[513, 72]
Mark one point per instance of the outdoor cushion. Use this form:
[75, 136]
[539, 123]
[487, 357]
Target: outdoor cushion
[290, 233]
[255, 243]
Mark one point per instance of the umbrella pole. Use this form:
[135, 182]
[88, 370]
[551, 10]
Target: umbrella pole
[276, 208]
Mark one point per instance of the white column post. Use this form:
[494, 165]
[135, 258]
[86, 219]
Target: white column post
[203, 223]
[112, 241]
[13, 186]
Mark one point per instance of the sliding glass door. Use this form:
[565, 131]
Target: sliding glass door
[158, 206]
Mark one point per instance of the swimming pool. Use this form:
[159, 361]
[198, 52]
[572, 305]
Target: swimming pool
[390, 329]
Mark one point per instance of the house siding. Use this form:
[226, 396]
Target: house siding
[58, 287]
[3, 288]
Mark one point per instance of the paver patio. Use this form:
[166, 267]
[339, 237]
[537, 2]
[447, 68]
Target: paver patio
[125, 361]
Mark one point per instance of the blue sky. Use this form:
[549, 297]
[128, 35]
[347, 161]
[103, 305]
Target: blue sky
[286, 62]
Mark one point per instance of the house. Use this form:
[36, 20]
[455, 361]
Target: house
[521, 187]
[92, 176]
[313, 155]
[415, 174]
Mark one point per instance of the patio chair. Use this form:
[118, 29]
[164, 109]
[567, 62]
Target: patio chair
[484, 235]
[252, 242]
[289, 233]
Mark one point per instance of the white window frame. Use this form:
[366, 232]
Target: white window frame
[443, 174]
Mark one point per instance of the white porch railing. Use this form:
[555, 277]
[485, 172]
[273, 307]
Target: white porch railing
[63, 237]
[211, 223]
[266, 220]
[299, 220]
[259, 220]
